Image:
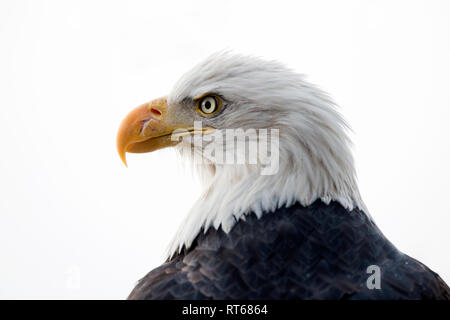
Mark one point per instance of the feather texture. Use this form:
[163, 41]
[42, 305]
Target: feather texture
[315, 160]
[320, 251]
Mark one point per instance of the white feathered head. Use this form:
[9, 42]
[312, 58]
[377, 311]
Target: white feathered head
[247, 96]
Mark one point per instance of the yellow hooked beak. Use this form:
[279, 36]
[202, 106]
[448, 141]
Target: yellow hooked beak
[146, 129]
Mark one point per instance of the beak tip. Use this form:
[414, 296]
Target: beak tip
[124, 159]
[123, 156]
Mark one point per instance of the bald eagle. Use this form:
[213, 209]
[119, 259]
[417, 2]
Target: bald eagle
[294, 227]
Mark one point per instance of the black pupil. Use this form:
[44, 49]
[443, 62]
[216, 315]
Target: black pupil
[208, 104]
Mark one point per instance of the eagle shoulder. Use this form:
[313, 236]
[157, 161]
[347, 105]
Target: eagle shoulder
[317, 252]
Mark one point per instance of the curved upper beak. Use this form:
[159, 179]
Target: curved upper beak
[144, 129]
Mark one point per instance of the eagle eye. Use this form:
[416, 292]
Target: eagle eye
[208, 105]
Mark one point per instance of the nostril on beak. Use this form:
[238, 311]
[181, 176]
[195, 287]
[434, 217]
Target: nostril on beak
[155, 111]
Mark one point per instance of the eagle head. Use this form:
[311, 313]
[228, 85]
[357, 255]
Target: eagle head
[295, 146]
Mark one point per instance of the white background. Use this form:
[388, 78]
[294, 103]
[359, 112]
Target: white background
[75, 223]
